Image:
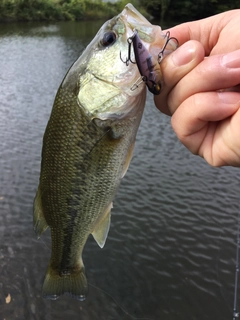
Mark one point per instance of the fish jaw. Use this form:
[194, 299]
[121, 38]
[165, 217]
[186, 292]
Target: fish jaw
[150, 46]
[151, 35]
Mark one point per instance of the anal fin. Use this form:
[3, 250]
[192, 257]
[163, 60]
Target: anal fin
[39, 222]
[100, 231]
[128, 159]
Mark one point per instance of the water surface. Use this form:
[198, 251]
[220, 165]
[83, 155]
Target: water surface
[170, 253]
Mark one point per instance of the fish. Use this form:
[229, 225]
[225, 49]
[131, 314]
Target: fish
[87, 148]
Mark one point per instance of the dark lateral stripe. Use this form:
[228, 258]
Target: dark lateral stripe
[67, 242]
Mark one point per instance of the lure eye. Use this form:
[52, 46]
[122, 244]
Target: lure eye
[108, 39]
[155, 89]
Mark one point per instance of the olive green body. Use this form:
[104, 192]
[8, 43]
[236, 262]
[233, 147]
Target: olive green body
[83, 161]
[81, 170]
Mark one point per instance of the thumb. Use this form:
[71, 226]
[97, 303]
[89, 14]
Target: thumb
[175, 66]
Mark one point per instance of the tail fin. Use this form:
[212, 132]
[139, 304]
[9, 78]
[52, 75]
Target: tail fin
[74, 284]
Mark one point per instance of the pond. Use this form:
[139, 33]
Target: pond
[170, 253]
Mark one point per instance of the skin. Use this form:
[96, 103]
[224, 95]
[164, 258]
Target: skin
[201, 88]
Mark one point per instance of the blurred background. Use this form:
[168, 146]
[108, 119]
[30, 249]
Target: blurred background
[160, 10]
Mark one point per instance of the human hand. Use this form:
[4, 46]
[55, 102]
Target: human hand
[202, 87]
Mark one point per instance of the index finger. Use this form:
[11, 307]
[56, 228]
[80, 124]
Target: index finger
[206, 31]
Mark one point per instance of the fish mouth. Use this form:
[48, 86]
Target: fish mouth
[134, 20]
[133, 16]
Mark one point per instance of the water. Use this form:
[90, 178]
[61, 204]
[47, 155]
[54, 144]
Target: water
[170, 253]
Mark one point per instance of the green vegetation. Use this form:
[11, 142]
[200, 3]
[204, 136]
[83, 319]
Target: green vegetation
[27, 10]
[31, 10]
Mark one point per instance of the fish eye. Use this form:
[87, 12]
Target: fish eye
[108, 39]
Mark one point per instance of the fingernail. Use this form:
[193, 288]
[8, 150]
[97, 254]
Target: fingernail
[229, 97]
[184, 54]
[231, 60]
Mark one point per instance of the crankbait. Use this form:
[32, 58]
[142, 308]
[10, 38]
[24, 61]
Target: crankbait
[149, 67]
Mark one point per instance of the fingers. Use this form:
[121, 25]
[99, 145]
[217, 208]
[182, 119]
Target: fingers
[213, 73]
[176, 66]
[204, 123]
[202, 87]
[198, 109]
[192, 31]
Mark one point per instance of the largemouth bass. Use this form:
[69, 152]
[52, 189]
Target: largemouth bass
[87, 148]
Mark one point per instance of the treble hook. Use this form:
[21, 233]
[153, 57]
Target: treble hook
[148, 67]
[138, 82]
[130, 41]
[161, 53]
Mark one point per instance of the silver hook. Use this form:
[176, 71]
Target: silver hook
[129, 40]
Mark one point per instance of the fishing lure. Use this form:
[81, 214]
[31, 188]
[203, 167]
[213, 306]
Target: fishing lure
[150, 72]
[149, 68]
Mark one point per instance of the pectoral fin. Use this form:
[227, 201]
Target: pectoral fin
[128, 159]
[100, 232]
[39, 222]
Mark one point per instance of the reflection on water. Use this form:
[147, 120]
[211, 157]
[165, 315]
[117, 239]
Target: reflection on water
[171, 247]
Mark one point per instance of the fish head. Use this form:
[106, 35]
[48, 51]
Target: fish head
[105, 84]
